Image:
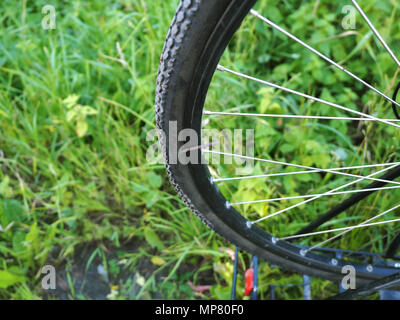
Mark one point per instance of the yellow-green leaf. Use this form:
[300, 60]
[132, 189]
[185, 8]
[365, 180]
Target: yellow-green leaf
[81, 128]
[158, 261]
[87, 110]
[71, 100]
[140, 280]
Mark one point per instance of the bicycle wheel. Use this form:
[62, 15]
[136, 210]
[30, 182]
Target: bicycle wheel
[198, 37]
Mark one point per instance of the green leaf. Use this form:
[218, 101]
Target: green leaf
[113, 267]
[287, 148]
[5, 189]
[265, 101]
[18, 242]
[13, 210]
[155, 180]
[8, 279]
[33, 238]
[321, 160]
[304, 177]
[222, 293]
[289, 184]
[139, 188]
[274, 14]
[312, 147]
[152, 238]
[151, 198]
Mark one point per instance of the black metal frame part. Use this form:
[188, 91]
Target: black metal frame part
[374, 286]
[396, 91]
[380, 285]
[254, 263]
[393, 247]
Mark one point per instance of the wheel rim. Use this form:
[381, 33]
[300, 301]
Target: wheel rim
[207, 183]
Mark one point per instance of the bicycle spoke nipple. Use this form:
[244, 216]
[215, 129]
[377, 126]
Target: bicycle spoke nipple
[221, 68]
[254, 13]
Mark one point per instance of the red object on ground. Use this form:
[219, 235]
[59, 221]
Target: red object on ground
[249, 280]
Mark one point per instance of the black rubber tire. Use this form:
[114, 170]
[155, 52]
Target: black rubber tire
[199, 34]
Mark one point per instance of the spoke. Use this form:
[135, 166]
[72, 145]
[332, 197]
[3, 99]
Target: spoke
[293, 116]
[270, 84]
[338, 229]
[300, 166]
[304, 172]
[265, 175]
[351, 228]
[199, 147]
[259, 16]
[314, 195]
[315, 198]
[376, 32]
[392, 174]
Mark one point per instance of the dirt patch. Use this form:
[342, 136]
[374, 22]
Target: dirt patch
[95, 276]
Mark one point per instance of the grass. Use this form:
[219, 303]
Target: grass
[76, 105]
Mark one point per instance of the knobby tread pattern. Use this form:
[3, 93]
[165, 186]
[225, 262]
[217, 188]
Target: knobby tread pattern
[173, 44]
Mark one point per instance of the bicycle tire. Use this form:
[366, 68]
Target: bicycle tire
[197, 38]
